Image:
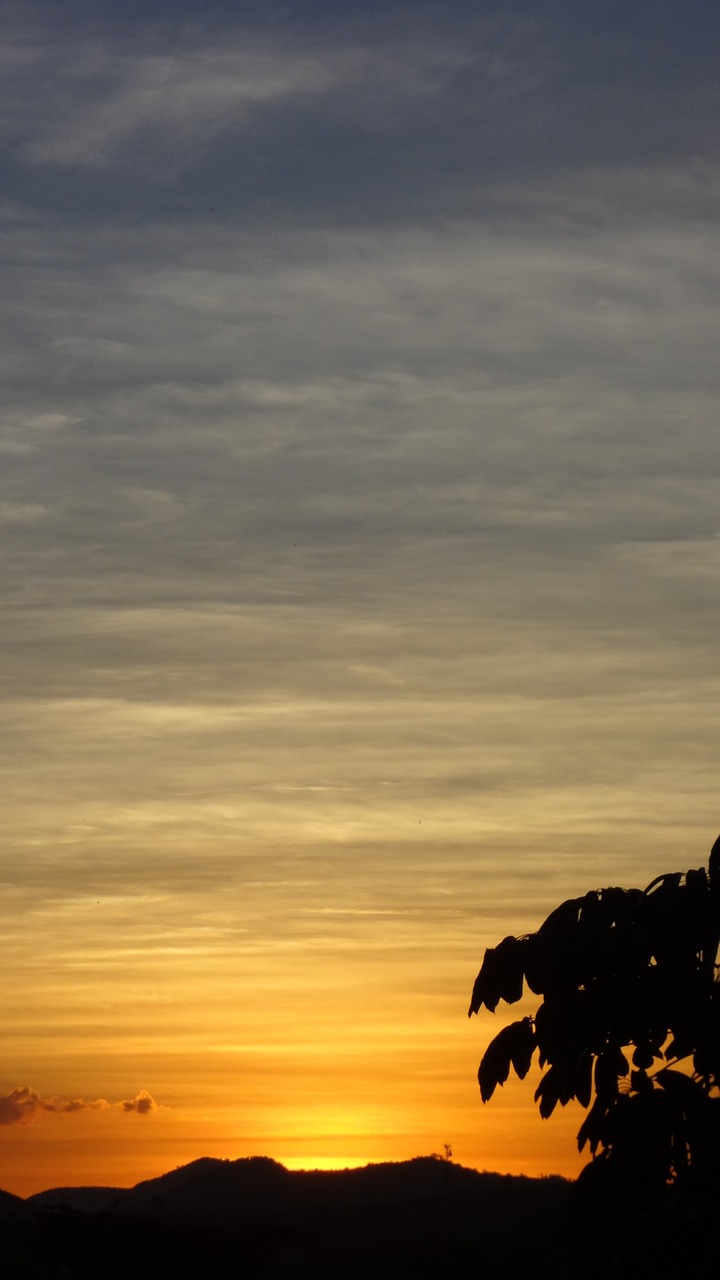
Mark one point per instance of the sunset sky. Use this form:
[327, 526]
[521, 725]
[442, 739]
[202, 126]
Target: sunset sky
[360, 549]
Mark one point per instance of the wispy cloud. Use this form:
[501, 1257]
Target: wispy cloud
[151, 104]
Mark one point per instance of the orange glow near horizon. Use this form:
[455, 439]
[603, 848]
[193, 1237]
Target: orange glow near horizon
[320, 1022]
[316, 1064]
[71, 1151]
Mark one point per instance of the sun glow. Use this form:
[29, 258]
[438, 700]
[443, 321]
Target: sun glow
[324, 1163]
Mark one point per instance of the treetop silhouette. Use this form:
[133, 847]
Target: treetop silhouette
[628, 1024]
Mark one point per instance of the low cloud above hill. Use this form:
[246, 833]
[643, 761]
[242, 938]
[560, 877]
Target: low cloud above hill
[24, 1105]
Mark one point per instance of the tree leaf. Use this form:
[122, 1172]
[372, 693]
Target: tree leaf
[547, 1094]
[583, 1078]
[513, 1046]
[714, 864]
[500, 976]
[485, 990]
[594, 1127]
[494, 1067]
[509, 957]
[522, 1046]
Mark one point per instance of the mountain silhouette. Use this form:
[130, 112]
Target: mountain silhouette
[424, 1217]
[11, 1207]
[228, 1190]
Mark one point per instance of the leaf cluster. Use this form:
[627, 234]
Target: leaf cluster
[628, 1024]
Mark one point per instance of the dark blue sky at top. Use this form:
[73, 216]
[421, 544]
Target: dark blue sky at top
[667, 33]
[518, 90]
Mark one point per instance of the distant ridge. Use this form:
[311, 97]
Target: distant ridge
[213, 1190]
[235, 1192]
[252, 1217]
[10, 1206]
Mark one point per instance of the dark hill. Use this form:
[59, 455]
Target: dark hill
[11, 1207]
[252, 1217]
[230, 1191]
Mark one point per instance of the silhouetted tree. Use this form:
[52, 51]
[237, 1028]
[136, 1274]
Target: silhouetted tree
[629, 1025]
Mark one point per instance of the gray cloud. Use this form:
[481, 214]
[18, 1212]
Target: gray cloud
[74, 1105]
[20, 1106]
[23, 1105]
[152, 102]
[140, 1105]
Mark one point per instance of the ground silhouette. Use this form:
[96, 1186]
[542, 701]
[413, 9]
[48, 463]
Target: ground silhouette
[253, 1218]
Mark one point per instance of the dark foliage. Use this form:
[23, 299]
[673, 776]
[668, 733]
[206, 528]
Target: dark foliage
[629, 1025]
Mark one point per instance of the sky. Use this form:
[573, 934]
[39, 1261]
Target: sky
[359, 550]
